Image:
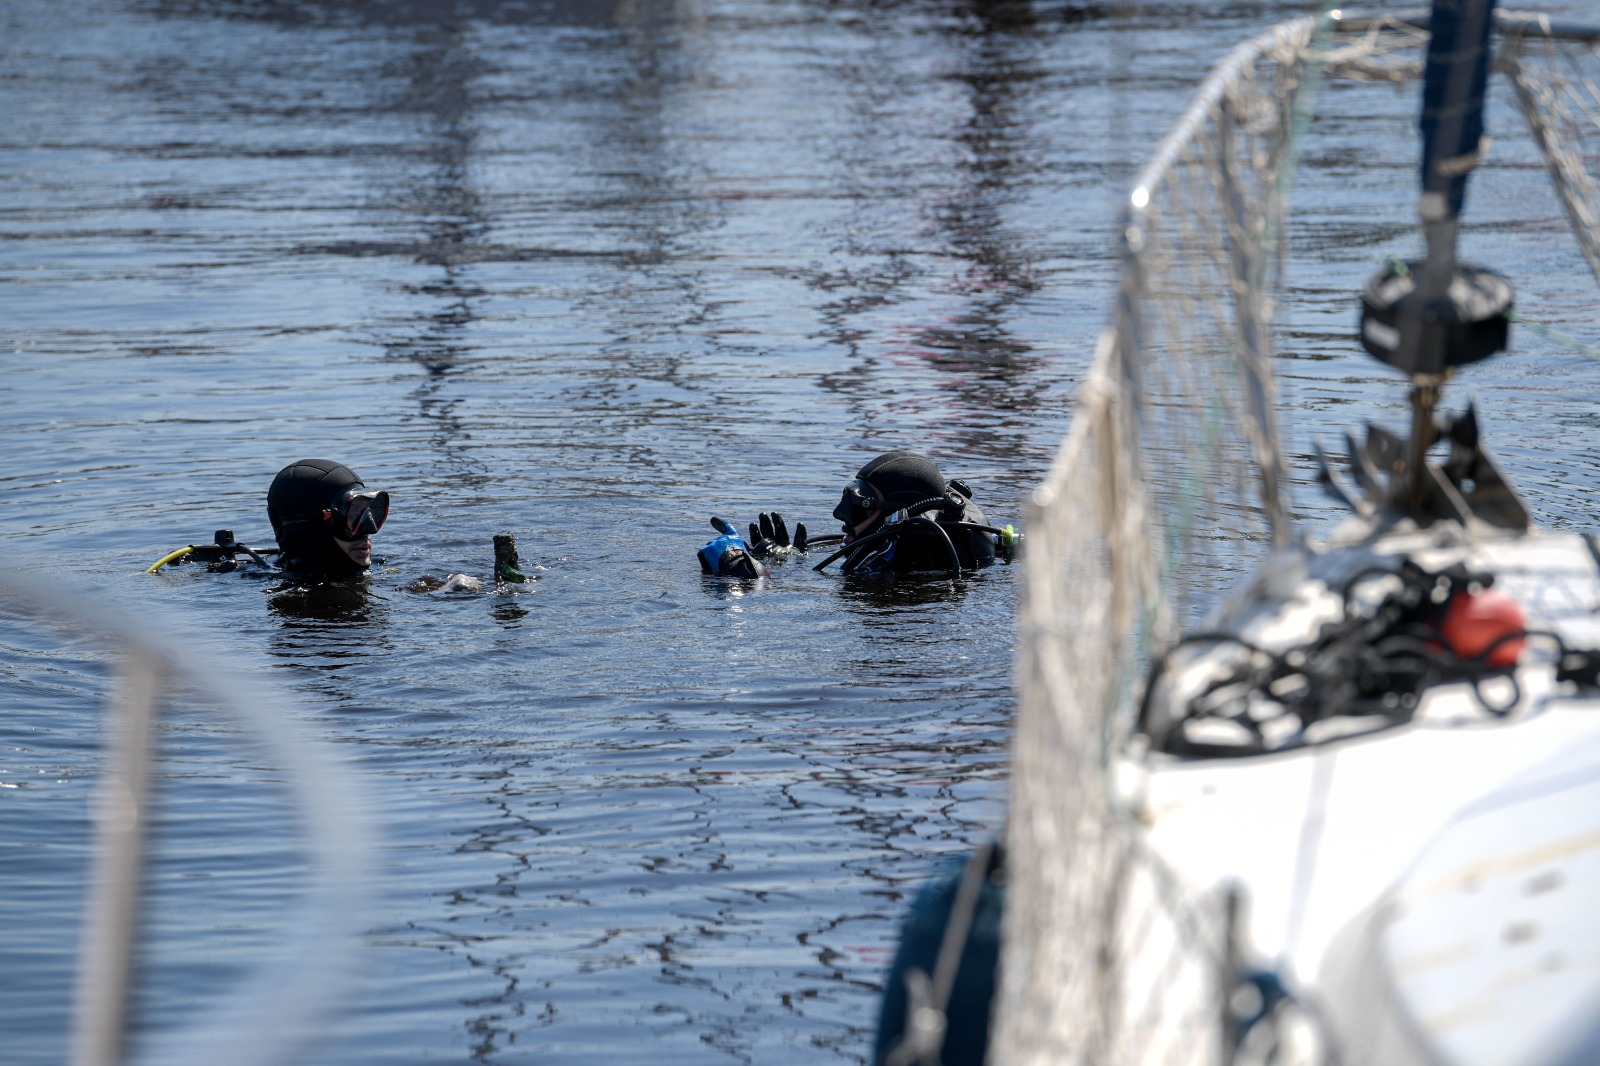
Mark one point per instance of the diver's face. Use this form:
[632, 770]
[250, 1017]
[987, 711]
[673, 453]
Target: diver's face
[359, 551]
[863, 527]
[866, 524]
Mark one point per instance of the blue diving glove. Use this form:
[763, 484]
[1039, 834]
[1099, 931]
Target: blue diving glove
[727, 555]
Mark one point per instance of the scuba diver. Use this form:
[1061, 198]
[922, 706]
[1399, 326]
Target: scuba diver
[899, 515]
[323, 517]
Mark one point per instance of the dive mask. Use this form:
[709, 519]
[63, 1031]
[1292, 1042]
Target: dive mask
[857, 502]
[358, 513]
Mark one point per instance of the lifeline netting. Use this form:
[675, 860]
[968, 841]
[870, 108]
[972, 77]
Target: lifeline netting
[1171, 473]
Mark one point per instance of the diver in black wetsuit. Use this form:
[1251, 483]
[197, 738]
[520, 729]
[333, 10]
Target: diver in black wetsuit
[899, 515]
[324, 519]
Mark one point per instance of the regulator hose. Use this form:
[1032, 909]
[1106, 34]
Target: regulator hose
[858, 553]
[1007, 535]
[977, 528]
[923, 520]
[170, 557]
[856, 545]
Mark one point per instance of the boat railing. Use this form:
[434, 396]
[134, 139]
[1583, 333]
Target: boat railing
[1171, 483]
[285, 1006]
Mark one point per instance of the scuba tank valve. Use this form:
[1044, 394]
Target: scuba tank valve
[220, 552]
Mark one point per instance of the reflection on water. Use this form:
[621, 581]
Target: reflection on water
[995, 262]
[303, 607]
[589, 273]
[891, 602]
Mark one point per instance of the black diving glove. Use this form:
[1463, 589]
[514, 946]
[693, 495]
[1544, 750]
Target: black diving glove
[770, 537]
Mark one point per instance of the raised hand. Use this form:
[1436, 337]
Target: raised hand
[770, 536]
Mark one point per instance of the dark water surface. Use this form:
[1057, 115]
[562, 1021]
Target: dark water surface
[590, 273]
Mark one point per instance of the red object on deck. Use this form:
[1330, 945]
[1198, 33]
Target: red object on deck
[1474, 621]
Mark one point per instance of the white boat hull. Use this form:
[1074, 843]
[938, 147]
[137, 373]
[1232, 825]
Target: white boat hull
[1423, 888]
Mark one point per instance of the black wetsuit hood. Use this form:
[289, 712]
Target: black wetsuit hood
[296, 501]
[903, 478]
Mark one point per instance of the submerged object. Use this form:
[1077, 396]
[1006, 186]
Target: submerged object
[507, 567]
[447, 584]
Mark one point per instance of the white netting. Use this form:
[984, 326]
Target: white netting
[1559, 96]
[1171, 470]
